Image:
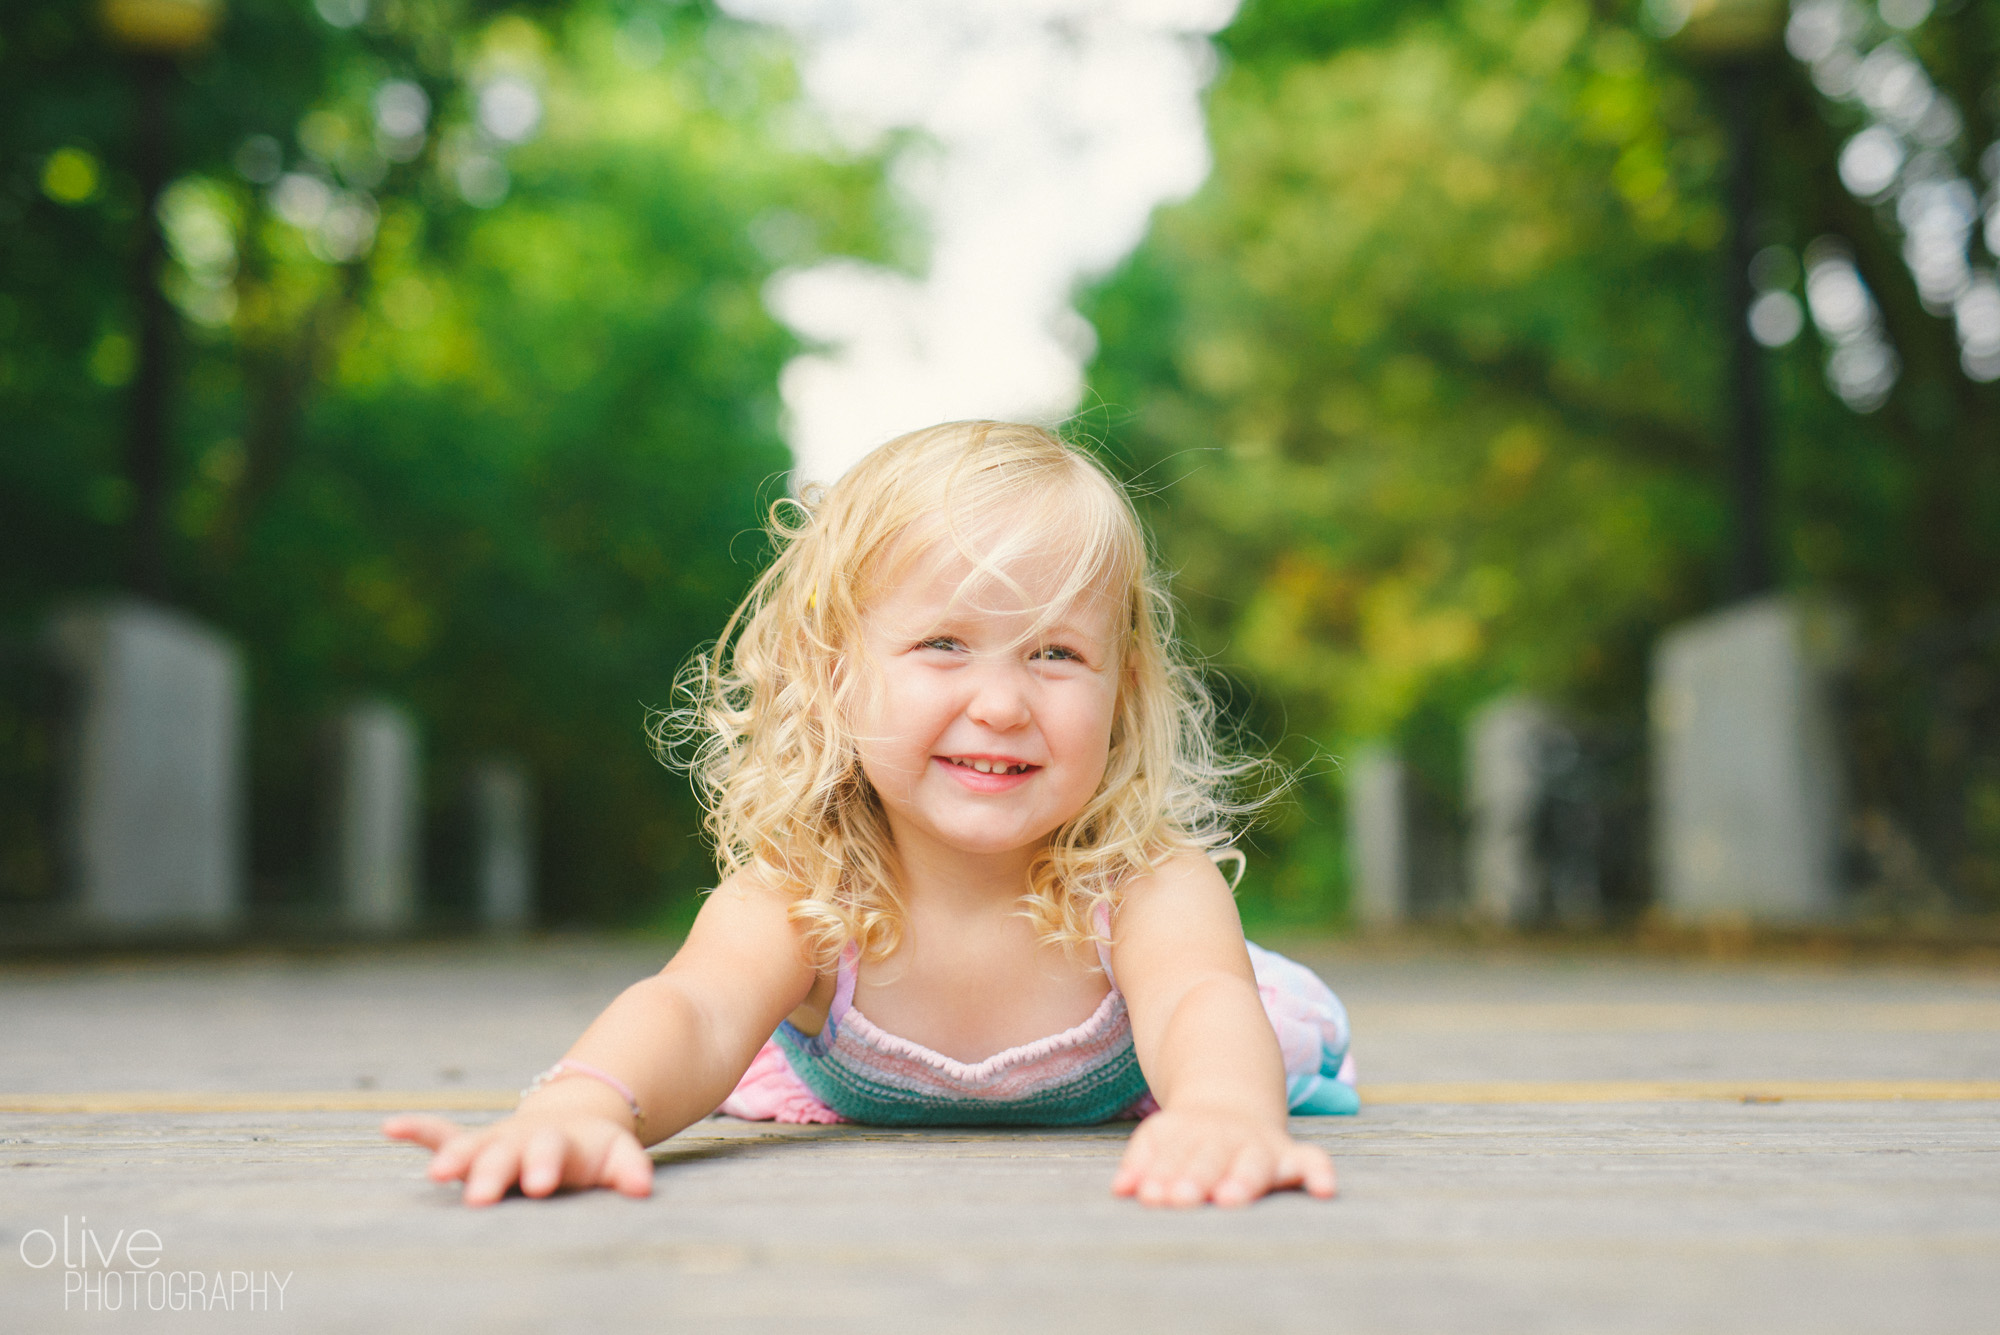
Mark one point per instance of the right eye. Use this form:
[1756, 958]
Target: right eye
[945, 642]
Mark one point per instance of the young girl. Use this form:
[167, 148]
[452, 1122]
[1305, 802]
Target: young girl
[968, 808]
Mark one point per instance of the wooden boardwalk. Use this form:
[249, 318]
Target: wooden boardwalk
[1551, 1145]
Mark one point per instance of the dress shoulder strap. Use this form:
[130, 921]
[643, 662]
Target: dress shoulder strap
[1101, 917]
[843, 983]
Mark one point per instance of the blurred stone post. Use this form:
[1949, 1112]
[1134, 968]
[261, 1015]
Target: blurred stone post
[153, 810]
[1511, 745]
[376, 793]
[1378, 836]
[503, 842]
[1746, 769]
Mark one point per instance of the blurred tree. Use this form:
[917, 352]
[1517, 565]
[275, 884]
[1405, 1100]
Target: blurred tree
[477, 395]
[1430, 377]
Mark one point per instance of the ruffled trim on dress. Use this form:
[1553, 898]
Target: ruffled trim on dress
[974, 1074]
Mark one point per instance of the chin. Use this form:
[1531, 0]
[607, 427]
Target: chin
[988, 840]
[993, 844]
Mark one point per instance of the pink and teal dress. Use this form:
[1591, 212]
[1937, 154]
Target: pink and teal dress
[854, 1071]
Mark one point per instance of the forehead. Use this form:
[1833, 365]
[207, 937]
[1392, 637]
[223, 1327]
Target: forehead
[1031, 591]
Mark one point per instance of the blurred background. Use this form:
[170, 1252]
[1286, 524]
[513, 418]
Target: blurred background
[1574, 426]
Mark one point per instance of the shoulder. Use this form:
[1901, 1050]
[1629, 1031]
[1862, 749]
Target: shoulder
[1187, 873]
[742, 958]
[1184, 898]
[1173, 927]
[751, 889]
[745, 914]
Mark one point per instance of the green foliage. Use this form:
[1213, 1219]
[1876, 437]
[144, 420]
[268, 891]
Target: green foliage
[508, 465]
[1428, 381]
[1429, 389]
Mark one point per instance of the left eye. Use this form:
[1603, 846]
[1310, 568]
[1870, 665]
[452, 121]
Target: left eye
[1056, 651]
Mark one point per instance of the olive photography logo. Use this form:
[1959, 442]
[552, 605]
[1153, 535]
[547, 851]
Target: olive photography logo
[126, 1271]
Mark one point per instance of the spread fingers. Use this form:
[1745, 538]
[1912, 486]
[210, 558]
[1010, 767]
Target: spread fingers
[422, 1128]
[1190, 1181]
[1308, 1167]
[456, 1155]
[628, 1168]
[542, 1162]
[492, 1172]
[1132, 1169]
[1249, 1176]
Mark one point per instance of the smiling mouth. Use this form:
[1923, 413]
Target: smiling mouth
[988, 766]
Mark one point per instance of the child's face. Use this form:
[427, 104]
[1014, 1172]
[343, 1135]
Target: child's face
[960, 687]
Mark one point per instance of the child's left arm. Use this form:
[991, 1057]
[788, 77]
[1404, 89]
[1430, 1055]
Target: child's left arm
[1210, 1056]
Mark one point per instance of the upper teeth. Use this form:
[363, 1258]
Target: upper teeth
[992, 766]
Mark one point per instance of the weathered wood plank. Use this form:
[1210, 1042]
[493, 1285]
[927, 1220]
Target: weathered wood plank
[1612, 1180]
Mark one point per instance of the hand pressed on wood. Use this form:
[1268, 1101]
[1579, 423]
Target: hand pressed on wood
[542, 1150]
[1189, 1157]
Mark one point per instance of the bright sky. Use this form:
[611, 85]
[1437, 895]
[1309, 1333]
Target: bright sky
[1051, 130]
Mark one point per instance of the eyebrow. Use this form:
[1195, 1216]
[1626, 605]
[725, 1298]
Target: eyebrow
[955, 624]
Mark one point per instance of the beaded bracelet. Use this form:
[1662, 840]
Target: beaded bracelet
[567, 1066]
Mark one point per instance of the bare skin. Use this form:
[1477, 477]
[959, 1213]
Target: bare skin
[681, 1039]
[958, 692]
[1210, 1056]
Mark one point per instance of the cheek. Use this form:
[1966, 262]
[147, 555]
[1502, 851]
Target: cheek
[1088, 724]
[903, 714]
[870, 721]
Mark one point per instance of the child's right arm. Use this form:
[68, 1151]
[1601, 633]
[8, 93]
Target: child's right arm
[680, 1039]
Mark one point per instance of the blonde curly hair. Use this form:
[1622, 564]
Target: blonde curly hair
[762, 717]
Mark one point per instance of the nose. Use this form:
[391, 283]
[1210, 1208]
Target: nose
[999, 698]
